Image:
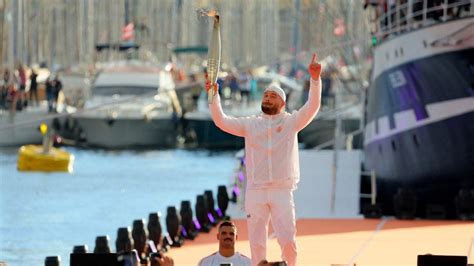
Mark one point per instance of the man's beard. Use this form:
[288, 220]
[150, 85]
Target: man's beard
[270, 110]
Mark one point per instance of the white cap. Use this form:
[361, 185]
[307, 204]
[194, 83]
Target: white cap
[276, 89]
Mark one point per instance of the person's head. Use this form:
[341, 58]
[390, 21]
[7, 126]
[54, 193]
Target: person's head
[227, 235]
[274, 100]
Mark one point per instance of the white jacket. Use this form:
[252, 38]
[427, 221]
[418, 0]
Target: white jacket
[271, 145]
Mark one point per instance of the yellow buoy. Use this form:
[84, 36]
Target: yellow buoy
[33, 158]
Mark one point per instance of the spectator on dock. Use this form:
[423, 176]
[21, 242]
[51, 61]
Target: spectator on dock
[227, 236]
[4, 89]
[33, 87]
[245, 87]
[50, 94]
[272, 164]
[22, 85]
[57, 88]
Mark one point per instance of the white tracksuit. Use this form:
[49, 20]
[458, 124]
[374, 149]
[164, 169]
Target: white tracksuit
[272, 167]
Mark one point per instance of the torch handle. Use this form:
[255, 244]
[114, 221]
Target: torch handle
[210, 94]
[214, 58]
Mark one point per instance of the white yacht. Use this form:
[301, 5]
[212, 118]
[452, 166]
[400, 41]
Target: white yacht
[131, 106]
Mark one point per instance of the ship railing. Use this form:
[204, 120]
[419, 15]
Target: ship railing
[347, 137]
[408, 15]
[331, 113]
[373, 187]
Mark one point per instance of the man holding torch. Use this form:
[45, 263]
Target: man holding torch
[272, 162]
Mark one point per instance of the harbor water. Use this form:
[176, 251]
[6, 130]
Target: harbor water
[46, 214]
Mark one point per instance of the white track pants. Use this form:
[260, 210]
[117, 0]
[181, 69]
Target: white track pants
[277, 204]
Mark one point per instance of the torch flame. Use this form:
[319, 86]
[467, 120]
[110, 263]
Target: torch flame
[203, 12]
[211, 13]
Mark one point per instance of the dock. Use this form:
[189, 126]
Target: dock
[361, 242]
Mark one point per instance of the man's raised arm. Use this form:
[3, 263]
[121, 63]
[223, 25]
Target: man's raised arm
[309, 110]
[231, 125]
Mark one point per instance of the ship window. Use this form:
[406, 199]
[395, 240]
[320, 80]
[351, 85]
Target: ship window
[394, 147]
[401, 51]
[380, 149]
[396, 53]
[425, 44]
[415, 140]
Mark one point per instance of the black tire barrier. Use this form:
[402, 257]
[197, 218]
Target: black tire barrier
[128, 257]
[102, 244]
[52, 261]
[94, 259]
[173, 225]
[210, 218]
[464, 202]
[201, 214]
[154, 258]
[133, 246]
[124, 242]
[405, 203]
[140, 237]
[436, 260]
[372, 211]
[166, 243]
[223, 201]
[80, 249]
[189, 229]
[154, 229]
[211, 205]
[436, 212]
[234, 195]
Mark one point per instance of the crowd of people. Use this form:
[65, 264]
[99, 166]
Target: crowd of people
[395, 13]
[19, 89]
[239, 87]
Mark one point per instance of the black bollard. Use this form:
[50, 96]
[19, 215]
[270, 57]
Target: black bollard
[210, 218]
[173, 225]
[154, 258]
[102, 244]
[124, 242]
[211, 205]
[223, 201]
[140, 237]
[166, 243]
[187, 220]
[234, 194]
[52, 261]
[154, 229]
[201, 214]
[80, 249]
[128, 258]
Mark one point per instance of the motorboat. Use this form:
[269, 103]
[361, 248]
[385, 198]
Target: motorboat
[132, 105]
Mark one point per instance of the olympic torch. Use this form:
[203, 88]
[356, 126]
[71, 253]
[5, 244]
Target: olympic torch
[214, 55]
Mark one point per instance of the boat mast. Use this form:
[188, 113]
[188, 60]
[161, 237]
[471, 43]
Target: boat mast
[296, 37]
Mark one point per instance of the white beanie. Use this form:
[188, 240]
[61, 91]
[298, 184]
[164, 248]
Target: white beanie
[276, 89]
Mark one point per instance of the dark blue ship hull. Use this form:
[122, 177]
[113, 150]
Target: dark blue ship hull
[427, 141]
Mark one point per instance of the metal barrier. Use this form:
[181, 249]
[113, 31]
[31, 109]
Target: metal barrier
[414, 14]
